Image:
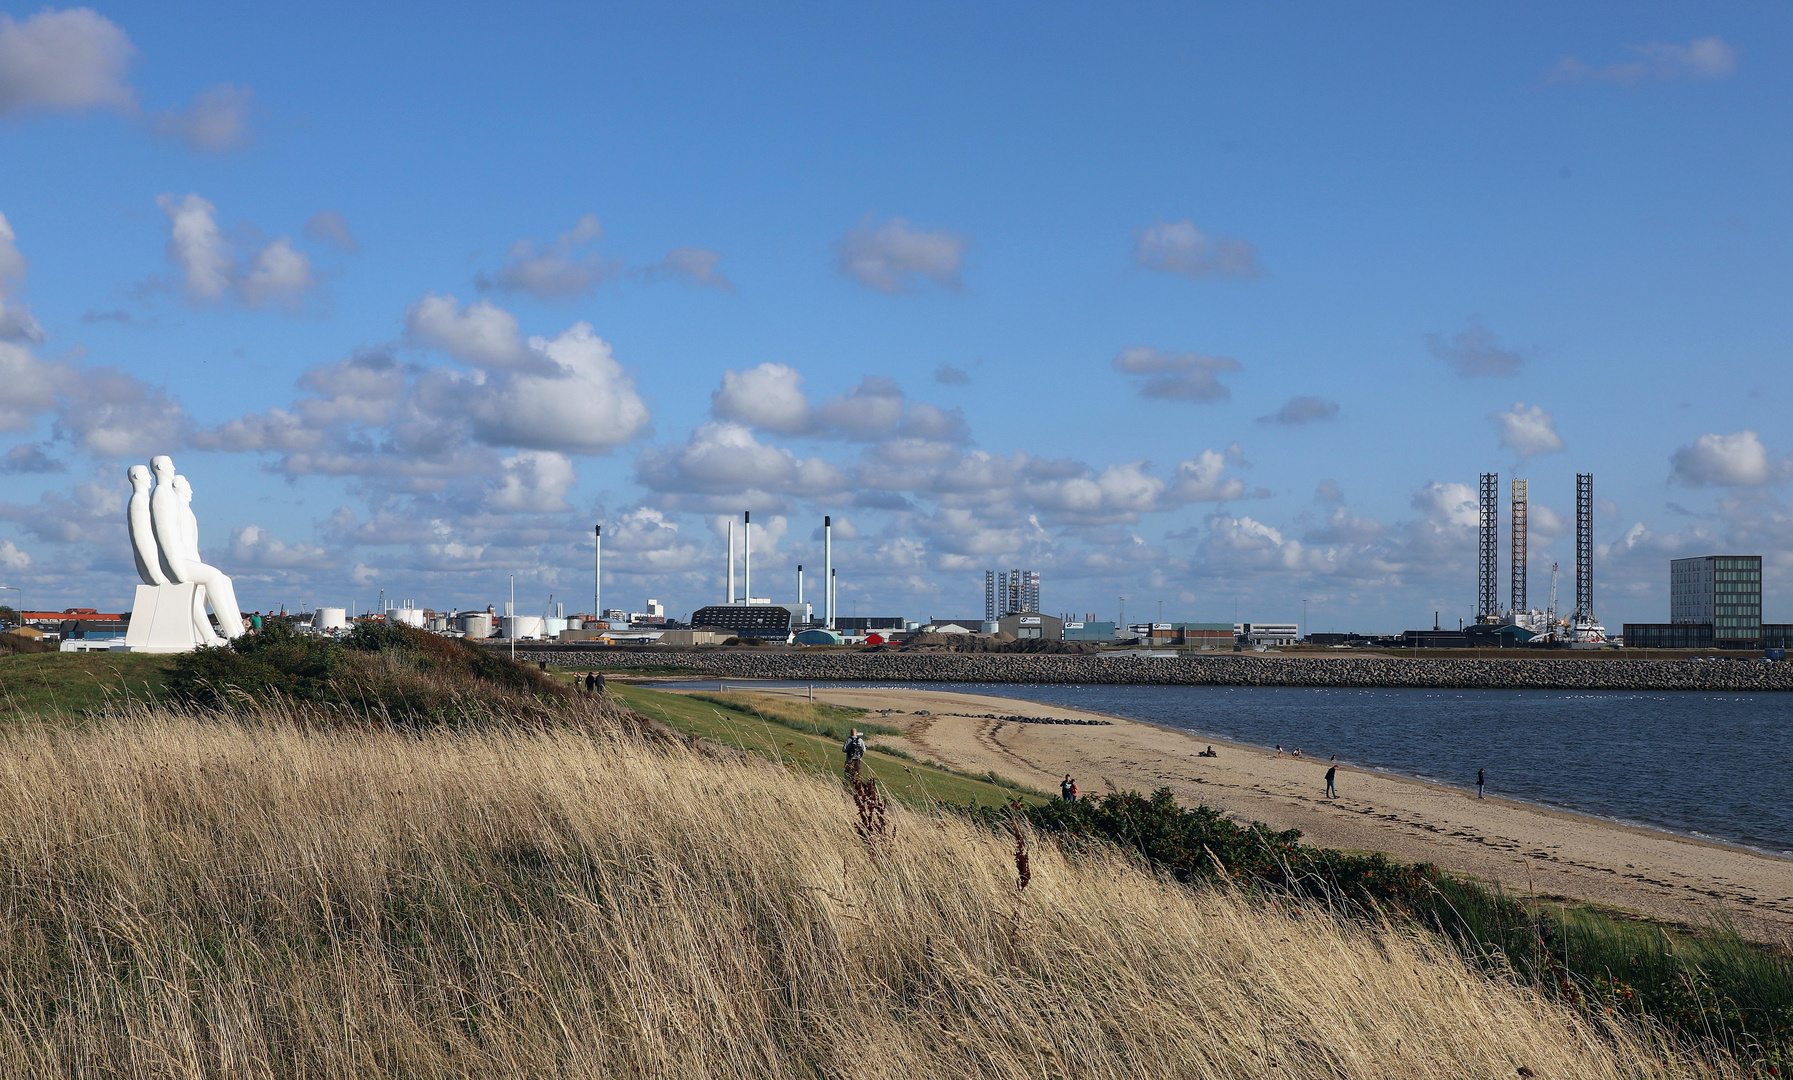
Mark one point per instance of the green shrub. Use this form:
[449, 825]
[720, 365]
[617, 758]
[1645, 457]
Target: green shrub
[1197, 844]
[378, 670]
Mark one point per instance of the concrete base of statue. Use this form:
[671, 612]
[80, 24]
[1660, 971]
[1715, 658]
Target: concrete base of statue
[162, 619]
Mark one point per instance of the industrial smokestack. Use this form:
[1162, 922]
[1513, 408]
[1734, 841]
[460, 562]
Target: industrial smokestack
[597, 575]
[747, 557]
[731, 561]
[833, 598]
[799, 584]
[828, 571]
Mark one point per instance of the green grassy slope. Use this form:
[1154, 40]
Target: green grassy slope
[46, 685]
[911, 781]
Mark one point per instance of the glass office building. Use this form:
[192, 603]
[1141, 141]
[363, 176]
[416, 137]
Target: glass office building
[1722, 592]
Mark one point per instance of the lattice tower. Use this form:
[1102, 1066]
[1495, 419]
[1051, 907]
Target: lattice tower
[1584, 546]
[1518, 549]
[1488, 551]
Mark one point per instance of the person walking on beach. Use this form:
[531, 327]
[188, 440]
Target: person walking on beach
[1067, 789]
[854, 748]
[1481, 778]
[1332, 791]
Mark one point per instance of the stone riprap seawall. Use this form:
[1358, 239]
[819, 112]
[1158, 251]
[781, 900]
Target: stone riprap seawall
[1227, 670]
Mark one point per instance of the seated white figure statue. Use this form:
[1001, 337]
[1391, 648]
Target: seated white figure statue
[177, 542]
[148, 556]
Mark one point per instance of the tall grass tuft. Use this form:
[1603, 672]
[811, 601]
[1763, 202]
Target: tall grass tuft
[202, 895]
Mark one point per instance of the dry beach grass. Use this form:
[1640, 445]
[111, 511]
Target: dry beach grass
[243, 896]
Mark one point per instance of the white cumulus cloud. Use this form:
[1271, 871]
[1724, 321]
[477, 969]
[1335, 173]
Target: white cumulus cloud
[1302, 410]
[1475, 351]
[892, 257]
[694, 265]
[586, 402]
[769, 397]
[1182, 376]
[561, 270]
[207, 260]
[1735, 460]
[1528, 430]
[73, 59]
[482, 333]
[197, 246]
[533, 482]
[16, 320]
[1178, 247]
[217, 120]
[330, 227]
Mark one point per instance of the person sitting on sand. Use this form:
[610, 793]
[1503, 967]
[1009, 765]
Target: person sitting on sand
[1297, 752]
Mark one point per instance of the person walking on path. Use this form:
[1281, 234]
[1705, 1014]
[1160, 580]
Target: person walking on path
[854, 748]
[1332, 791]
[1067, 789]
[1481, 778]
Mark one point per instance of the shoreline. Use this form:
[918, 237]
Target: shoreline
[1525, 847]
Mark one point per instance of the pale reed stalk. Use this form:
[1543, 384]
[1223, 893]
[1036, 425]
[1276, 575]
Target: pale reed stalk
[244, 897]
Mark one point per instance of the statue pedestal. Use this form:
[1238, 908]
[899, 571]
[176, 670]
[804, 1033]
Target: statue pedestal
[162, 618]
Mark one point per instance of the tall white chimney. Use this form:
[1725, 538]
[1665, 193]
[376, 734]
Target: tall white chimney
[828, 570]
[731, 561]
[747, 557]
[597, 575]
[799, 584]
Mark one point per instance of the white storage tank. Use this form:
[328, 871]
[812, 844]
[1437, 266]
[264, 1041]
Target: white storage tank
[405, 616]
[330, 618]
[552, 626]
[476, 624]
[438, 623]
[522, 627]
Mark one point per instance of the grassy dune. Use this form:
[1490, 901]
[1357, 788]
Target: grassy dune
[53, 684]
[254, 897]
[775, 735]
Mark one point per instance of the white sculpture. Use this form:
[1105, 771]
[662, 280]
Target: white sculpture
[169, 612]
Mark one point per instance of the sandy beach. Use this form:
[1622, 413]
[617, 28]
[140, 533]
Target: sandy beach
[1527, 849]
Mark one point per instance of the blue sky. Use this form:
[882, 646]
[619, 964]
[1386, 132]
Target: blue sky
[1206, 306]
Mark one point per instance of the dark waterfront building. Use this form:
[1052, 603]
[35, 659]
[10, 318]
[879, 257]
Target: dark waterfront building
[745, 620]
[865, 624]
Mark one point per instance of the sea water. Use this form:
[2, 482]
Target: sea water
[1711, 765]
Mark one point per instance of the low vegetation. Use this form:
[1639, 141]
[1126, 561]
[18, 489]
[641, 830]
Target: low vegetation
[246, 896]
[907, 780]
[814, 717]
[1711, 987]
[380, 670]
[53, 684]
[399, 854]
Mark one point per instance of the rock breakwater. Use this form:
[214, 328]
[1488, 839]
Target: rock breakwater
[1227, 670]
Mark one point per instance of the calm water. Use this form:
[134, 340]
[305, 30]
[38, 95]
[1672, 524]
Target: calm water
[1711, 765]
